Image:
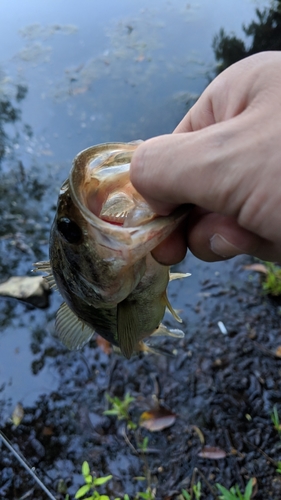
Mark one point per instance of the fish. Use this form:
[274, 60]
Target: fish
[100, 255]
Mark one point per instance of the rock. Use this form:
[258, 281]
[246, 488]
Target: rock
[32, 289]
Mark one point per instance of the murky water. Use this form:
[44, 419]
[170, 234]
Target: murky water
[74, 74]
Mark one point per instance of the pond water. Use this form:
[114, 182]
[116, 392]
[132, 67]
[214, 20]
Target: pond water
[74, 74]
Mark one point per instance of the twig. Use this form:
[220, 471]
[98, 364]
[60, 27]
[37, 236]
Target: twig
[25, 465]
[262, 452]
[212, 490]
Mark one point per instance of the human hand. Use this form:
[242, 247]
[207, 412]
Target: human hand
[224, 158]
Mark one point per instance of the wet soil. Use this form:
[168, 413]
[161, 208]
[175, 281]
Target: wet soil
[225, 385]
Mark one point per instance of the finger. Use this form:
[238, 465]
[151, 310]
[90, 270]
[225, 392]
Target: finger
[213, 237]
[173, 249]
[203, 168]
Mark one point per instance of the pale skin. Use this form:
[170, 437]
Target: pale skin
[224, 158]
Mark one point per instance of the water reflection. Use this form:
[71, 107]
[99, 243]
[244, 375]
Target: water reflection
[264, 34]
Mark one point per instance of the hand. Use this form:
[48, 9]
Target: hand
[224, 158]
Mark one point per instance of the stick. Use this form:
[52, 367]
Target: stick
[25, 465]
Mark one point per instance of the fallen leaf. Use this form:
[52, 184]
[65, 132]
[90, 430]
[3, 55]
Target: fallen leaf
[156, 420]
[278, 351]
[212, 452]
[103, 344]
[47, 431]
[18, 414]
[260, 268]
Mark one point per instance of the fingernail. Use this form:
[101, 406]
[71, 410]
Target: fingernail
[220, 246]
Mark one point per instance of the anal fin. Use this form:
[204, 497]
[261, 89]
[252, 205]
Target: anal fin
[71, 330]
[168, 332]
[127, 328]
[170, 307]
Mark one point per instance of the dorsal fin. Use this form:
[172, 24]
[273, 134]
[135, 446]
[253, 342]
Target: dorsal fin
[71, 330]
[127, 327]
[45, 267]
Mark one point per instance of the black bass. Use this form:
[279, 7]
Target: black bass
[100, 259]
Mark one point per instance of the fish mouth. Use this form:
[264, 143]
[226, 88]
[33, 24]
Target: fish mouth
[100, 187]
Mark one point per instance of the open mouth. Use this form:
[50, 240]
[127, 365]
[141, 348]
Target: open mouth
[119, 203]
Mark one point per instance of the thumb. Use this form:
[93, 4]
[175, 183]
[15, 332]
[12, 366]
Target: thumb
[181, 168]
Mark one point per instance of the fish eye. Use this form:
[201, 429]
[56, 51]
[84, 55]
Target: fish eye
[69, 230]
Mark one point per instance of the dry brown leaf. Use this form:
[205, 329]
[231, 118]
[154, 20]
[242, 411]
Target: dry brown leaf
[278, 351]
[156, 420]
[103, 344]
[47, 431]
[18, 414]
[260, 268]
[212, 452]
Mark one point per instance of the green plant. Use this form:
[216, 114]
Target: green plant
[276, 421]
[272, 281]
[120, 409]
[146, 495]
[234, 493]
[90, 485]
[278, 468]
[142, 445]
[196, 488]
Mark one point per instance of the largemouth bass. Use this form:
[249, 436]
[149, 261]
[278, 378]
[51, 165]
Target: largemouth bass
[100, 254]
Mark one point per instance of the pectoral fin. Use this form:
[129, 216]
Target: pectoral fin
[127, 327]
[71, 330]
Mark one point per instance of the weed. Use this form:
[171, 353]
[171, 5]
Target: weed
[278, 468]
[272, 282]
[234, 493]
[196, 488]
[142, 445]
[120, 409]
[90, 485]
[276, 421]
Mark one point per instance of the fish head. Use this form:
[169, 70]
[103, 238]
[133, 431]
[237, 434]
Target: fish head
[103, 229]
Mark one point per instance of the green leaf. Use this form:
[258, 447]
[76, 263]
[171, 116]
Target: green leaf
[185, 494]
[227, 495]
[85, 469]
[82, 491]
[101, 480]
[104, 497]
[111, 412]
[249, 490]
[88, 479]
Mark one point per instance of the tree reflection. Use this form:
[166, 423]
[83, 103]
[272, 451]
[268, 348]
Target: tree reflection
[9, 113]
[265, 34]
